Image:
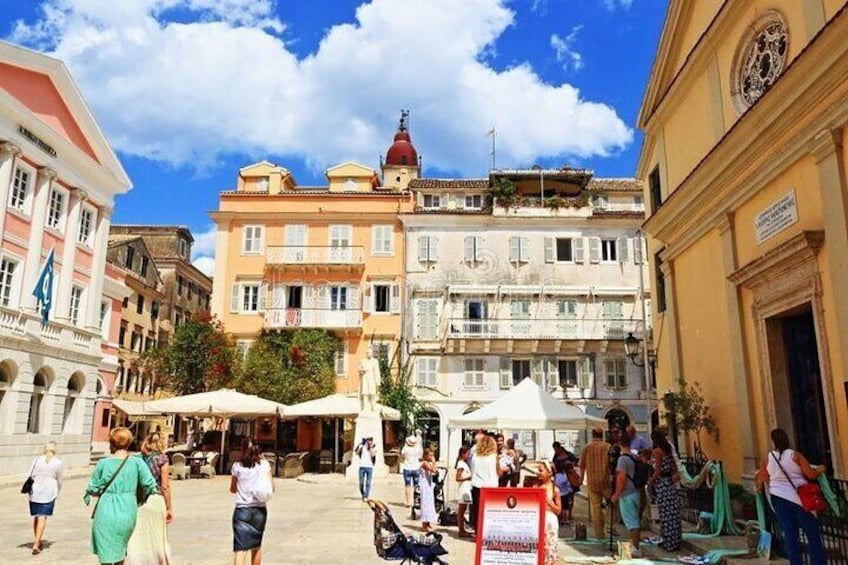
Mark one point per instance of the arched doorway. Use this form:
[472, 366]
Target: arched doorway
[429, 423]
[617, 420]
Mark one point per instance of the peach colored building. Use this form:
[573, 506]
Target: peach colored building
[58, 180]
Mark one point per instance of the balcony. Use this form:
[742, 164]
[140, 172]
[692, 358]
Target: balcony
[27, 325]
[557, 335]
[320, 258]
[323, 318]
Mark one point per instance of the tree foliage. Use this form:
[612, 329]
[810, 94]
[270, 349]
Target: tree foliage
[502, 193]
[291, 367]
[200, 358]
[687, 411]
[396, 391]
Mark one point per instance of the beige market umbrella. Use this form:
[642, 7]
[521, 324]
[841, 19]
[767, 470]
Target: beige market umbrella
[335, 406]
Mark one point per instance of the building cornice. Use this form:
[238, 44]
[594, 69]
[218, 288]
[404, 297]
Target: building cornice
[303, 217]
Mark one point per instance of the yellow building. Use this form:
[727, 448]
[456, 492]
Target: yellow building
[744, 168]
[289, 256]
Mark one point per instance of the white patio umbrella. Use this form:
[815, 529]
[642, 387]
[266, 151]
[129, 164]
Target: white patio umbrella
[335, 406]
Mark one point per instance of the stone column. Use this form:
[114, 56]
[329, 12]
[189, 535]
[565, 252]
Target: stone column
[8, 155]
[32, 268]
[98, 269]
[66, 278]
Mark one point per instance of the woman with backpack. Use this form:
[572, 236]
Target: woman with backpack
[663, 483]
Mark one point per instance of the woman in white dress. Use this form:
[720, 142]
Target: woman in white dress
[428, 503]
[463, 479]
[46, 473]
[553, 508]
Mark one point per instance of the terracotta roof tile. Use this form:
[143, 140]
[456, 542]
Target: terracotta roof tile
[615, 185]
[449, 184]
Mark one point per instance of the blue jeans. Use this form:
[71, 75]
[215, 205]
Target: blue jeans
[365, 474]
[792, 517]
[410, 478]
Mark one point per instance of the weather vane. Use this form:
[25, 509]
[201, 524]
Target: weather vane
[404, 120]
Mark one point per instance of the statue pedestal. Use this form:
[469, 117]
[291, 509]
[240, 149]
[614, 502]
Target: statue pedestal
[368, 424]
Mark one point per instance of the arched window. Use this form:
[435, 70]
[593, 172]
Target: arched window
[37, 401]
[7, 377]
[75, 385]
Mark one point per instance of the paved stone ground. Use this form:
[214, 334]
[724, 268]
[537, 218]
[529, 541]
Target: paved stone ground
[316, 520]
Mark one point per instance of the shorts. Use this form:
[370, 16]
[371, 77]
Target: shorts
[628, 504]
[410, 478]
[41, 508]
[248, 527]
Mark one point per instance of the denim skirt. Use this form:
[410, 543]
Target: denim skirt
[41, 508]
[248, 527]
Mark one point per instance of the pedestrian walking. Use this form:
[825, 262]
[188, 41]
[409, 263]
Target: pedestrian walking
[506, 461]
[565, 490]
[553, 508]
[46, 473]
[367, 454]
[411, 454]
[639, 447]
[785, 470]
[593, 467]
[149, 542]
[252, 483]
[484, 472]
[463, 480]
[428, 501]
[664, 483]
[626, 495]
[519, 458]
[116, 482]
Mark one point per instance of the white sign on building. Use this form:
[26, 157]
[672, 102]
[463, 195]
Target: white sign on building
[776, 218]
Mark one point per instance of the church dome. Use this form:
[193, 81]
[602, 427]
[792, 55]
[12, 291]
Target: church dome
[402, 152]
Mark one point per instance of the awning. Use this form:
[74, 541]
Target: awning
[335, 406]
[135, 410]
[224, 403]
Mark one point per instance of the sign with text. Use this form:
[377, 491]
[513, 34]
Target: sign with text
[776, 218]
[511, 527]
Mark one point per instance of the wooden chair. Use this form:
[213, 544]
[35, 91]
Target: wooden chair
[325, 461]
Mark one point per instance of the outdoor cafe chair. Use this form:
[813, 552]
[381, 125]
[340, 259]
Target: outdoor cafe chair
[178, 468]
[208, 470]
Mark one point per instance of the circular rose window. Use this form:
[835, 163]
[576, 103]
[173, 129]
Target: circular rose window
[762, 60]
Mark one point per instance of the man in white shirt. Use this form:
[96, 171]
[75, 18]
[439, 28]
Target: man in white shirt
[411, 467]
[367, 453]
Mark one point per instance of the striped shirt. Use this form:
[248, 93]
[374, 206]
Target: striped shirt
[594, 463]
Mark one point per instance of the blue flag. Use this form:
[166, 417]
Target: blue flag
[44, 289]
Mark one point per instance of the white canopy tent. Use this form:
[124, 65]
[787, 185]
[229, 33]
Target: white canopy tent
[335, 406]
[527, 407]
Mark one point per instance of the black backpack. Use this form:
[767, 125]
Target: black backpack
[641, 473]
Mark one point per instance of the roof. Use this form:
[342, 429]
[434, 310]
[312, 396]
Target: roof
[615, 185]
[116, 239]
[617, 214]
[449, 184]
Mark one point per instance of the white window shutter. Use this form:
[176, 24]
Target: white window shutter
[537, 371]
[578, 251]
[433, 242]
[450, 201]
[622, 249]
[469, 249]
[606, 309]
[419, 309]
[478, 247]
[353, 297]
[308, 296]
[460, 202]
[323, 297]
[235, 298]
[375, 239]
[368, 299]
[549, 250]
[419, 199]
[262, 299]
[637, 250]
[394, 305]
[524, 250]
[584, 374]
[279, 295]
[260, 238]
[246, 238]
[390, 239]
[505, 374]
[423, 248]
[595, 249]
[514, 249]
[609, 373]
[515, 309]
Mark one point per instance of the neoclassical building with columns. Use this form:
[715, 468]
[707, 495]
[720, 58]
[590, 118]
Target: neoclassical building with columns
[58, 180]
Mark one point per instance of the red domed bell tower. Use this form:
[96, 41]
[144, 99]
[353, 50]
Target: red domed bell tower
[401, 164]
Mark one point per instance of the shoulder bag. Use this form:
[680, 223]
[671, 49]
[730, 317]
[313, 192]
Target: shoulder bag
[104, 489]
[812, 498]
[27, 486]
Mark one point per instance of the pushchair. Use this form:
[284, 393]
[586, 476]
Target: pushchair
[392, 544]
[438, 492]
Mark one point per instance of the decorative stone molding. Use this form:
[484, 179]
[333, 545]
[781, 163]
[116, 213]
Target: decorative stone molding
[825, 144]
[10, 148]
[760, 59]
[797, 253]
[47, 173]
[724, 223]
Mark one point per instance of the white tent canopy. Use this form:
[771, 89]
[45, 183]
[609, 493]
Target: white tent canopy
[224, 403]
[335, 406]
[527, 407]
[136, 411]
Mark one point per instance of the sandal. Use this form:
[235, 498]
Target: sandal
[36, 550]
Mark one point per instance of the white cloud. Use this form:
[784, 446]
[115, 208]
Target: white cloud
[204, 242]
[613, 5]
[186, 93]
[571, 59]
[205, 265]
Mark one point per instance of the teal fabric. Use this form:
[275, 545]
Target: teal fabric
[115, 518]
[722, 518]
[829, 495]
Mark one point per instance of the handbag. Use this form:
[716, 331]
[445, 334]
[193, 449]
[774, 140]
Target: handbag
[104, 489]
[812, 498]
[26, 488]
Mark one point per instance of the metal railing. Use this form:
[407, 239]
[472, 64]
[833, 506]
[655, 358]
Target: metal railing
[314, 255]
[555, 328]
[312, 318]
[695, 501]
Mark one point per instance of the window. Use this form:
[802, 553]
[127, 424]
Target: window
[658, 273]
[761, 61]
[520, 370]
[600, 201]
[154, 309]
[567, 372]
[475, 373]
[340, 237]
[638, 204]
[380, 350]
[655, 189]
[613, 310]
[250, 298]
[105, 307]
[564, 250]
[183, 247]
[178, 313]
[122, 336]
[349, 185]
[252, 240]
[20, 188]
[473, 248]
[86, 222]
[427, 248]
[129, 260]
[7, 279]
[71, 398]
[134, 340]
[104, 418]
[382, 297]
[616, 373]
[338, 298]
[56, 209]
[189, 290]
[145, 262]
[432, 201]
[262, 184]
[36, 403]
[243, 347]
[609, 250]
[428, 373]
[474, 201]
[519, 309]
[567, 309]
[76, 305]
[295, 297]
[426, 319]
[518, 252]
[382, 242]
[340, 362]
[139, 306]
[180, 284]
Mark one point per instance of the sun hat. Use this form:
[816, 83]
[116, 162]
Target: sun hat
[411, 441]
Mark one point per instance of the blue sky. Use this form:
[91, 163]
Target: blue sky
[188, 91]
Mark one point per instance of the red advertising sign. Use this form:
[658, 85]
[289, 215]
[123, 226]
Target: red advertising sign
[511, 527]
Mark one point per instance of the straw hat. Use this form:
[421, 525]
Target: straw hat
[411, 441]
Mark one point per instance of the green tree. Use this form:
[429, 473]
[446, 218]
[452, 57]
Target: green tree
[291, 367]
[396, 391]
[201, 357]
[687, 411]
[502, 193]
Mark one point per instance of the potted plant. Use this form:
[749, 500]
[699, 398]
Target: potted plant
[503, 193]
[555, 203]
[688, 412]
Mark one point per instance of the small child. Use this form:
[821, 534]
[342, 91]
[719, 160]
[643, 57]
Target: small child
[565, 489]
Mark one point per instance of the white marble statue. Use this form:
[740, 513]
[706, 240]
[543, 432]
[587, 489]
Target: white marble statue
[369, 382]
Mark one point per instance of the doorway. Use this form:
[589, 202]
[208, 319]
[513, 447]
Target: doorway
[430, 425]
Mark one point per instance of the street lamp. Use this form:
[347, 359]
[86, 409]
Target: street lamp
[642, 357]
[631, 349]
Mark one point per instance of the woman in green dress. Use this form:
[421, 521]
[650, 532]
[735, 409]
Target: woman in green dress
[115, 481]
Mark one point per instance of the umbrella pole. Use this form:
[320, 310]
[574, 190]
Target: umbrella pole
[336, 444]
[221, 458]
[276, 446]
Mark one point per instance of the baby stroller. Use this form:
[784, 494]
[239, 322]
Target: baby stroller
[438, 492]
[392, 545]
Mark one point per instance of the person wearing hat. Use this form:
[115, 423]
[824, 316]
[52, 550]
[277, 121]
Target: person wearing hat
[411, 454]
